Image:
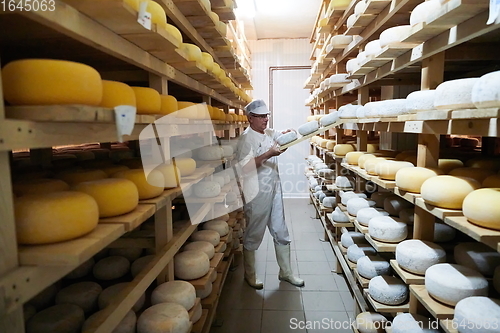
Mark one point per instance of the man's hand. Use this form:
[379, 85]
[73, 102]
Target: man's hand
[288, 130]
[274, 151]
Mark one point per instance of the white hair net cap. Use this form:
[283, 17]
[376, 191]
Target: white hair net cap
[257, 106]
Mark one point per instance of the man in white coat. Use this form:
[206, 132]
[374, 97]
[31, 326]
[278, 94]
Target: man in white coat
[257, 153]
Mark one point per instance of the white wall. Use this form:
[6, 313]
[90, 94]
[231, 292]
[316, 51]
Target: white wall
[288, 96]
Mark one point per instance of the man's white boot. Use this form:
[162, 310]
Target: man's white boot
[286, 273]
[250, 274]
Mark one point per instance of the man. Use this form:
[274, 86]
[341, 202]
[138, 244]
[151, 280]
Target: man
[257, 153]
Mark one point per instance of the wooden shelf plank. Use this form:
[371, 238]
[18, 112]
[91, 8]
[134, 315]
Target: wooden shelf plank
[387, 184]
[448, 325]
[487, 236]
[407, 277]
[384, 308]
[132, 220]
[198, 326]
[216, 260]
[202, 283]
[360, 228]
[476, 113]
[440, 213]
[197, 301]
[409, 196]
[363, 282]
[381, 246]
[437, 310]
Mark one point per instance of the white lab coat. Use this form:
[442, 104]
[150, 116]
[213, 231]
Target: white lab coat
[262, 190]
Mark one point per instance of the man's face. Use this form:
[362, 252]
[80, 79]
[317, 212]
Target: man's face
[258, 122]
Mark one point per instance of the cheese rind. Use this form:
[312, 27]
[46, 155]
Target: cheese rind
[308, 128]
[485, 93]
[352, 237]
[116, 93]
[477, 314]
[387, 229]
[413, 323]
[146, 188]
[164, 317]
[411, 179]
[366, 214]
[355, 251]
[394, 35]
[180, 292]
[371, 266]
[416, 256]
[204, 246]
[447, 191]
[455, 94]
[481, 208]
[60, 318]
[388, 290]
[111, 268]
[190, 265]
[371, 322]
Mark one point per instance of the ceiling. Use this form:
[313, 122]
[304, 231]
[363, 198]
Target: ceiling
[265, 19]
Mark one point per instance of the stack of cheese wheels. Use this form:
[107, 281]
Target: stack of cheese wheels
[371, 322]
[352, 237]
[373, 265]
[73, 177]
[114, 196]
[39, 186]
[411, 179]
[455, 94]
[387, 229]
[412, 323]
[147, 188]
[355, 251]
[353, 157]
[126, 325]
[204, 246]
[364, 215]
[164, 317]
[116, 93]
[448, 164]
[450, 283]
[109, 294]
[388, 169]
[416, 256]
[481, 208]
[54, 217]
[477, 256]
[191, 265]
[478, 174]
[84, 294]
[57, 318]
[447, 191]
[110, 268]
[477, 314]
[388, 290]
[394, 204]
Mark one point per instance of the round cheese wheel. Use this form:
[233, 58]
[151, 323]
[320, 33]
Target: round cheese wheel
[446, 165]
[340, 40]
[346, 196]
[329, 119]
[147, 188]
[81, 271]
[352, 237]
[354, 205]
[478, 257]
[477, 314]
[75, 177]
[329, 202]
[204, 246]
[422, 100]
[168, 104]
[207, 189]
[108, 295]
[148, 100]
[126, 325]
[455, 94]
[387, 229]
[352, 65]
[484, 94]
[481, 208]
[491, 181]
[388, 169]
[407, 215]
[164, 317]
[114, 196]
[342, 149]
[355, 251]
[447, 191]
[360, 7]
[351, 20]
[211, 236]
[339, 216]
[84, 294]
[394, 35]
[288, 137]
[475, 173]
[371, 322]
[443, 233]
[343, 182]
[217, 225]
[450, 283]
[308, 128]
[207, 60]
[373, 265]
[139, 264]
[205, 292]
[111, 268]
[179, 292]
[186, 166]
[131, 253]
[326, 173]
[353, 157]
[47, 81]
[190, 265]
[416, 256]
[171, 175]
[379, 198]
[197, 312]
[60, 318]
[411, 179]
[371, 164]
[388, 290]
[365, 157]
[116, 93]
[364, 215]
[192, 52]
[39, 186]
[394, 205]
[54, 217]
[421, 12]
[210, 153]
[413, 323]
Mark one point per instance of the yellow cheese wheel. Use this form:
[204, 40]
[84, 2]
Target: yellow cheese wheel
[39, 186]
[148, 100]
[132, 163]
[372, 147]
[193, 52]
[114, 169]
[365, 157]
[168, 104]
[207, 60]
[448, 164]
[116, 93]
[481, 207]
[214, 17]
[343, 149]
[492, 181]
[44, 81]
[216, 70]
[171, 174]
[174, 32]
[157, 12]
[147, 188]
[371, 163]
[447, 191]
[186, 166]
[187, 110]
[352, 157]
[475, 173]
[74, 177]
[54, 217]
[114, 196]
[411, 179]
[388, 169]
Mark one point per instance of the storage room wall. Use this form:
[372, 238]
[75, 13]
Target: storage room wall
[285, 97]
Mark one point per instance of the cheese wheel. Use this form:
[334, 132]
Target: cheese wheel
[171, 175]
[388, 169]
[455, 94]
[342, 149]
[483, 163]
[413, 323]
[394, 205]
[351, 20]
[450, 283]
[477, 314]
[114, 196]
[379, 198]
[352, 237]
[421, 12]
[131, 253]
[187, 110]
[339, 216]
[148, 100]
[371, 322]
[81, 271]
[84, 294]
[329, 118]
[207, 60]
[111, 268]
[116, 93]
[449, 164]
[443, 233]
[204, 246]
[75, 177]
[329, 202]
[394, 35]
[366, 214]
[211, 236]
[168, 104]
[370, 165]
[207, 189]
[360, 7]
[484, 93]
[354, 205]
[172, 30]
[422, 100]
[126, 325]
[288, 137]
[326, 173]
[54, 217]
[197, 312]
[407, 215]
[447, 191]
[346, 196]
[210, 153]
[416, 256]
[481, 208]
[109, 294]
[411, 179]
[39, 186]
[475, 173]
[147, 188]
[352, 65]
[205, 292]
[344, 182]
[373, 265]
[308, 128]
[355, 251]
[192, 52]
[478, 257]
[139, 264]
[179, 292]
[353, 157]
[186, 166]
[217, 225]
[387, 229]
[164, 317]
[388, 290]
[60, 318]
[364, 158]
[373, 47]
[46, 81]
[190, 265]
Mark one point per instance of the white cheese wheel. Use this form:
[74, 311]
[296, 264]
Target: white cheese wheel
[60, 318]
[355, 251]
[339, 216]
[210, 236]
[407, 215]
[227, 150]
[343, 182]
[411, 179]
[450, 283]
[338, 41]
[223, 248]
[477, 314]
[360, 112]
[420, 13]
[348, 111]
[126, 325]
[481, 208]
[210, 153]
[370, 165]
[447, 191]
[205, 292]
[84, 294]
[366, 214]
[448, 164]
[218, 179]
[139, 264]
[455, 94]
[329, 119]
[288, 137]
[180, 292]
[360, 7]
[131, 253]
[329, 202]
[373, 265]
[387, 229]
[392, 107]
[83, 270]
[422, 100]
[326, 173]
[352, 65]
[110, 268]
[363, 159]
[477, 256]
[346, 196]
[191, 265]
[217, 225]
[164, 317]
[308, 128]
[394, 35]
[351, 20]
[343, 149]
[416, 256]
[371, 322]
[485, 93]
[353, 157]
[356, 204]
[388, 169]
[388, 290]
[207, 189]
[352, 237]
[337, 79]
[204, 246]
[443, 233]
[197, 313]
[413, 323]
[379, 198]
[373, 47]
[394, 204]
[110, 293]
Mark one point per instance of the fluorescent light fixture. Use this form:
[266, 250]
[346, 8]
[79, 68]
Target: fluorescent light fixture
[245, 8]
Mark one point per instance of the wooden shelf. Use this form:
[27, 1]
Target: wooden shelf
[202, 283]
[407, 277]
[360, 228]
[440, 213]
[216, 260]
[198, 326]
[487, 236]
[131, 220]
[363, 282]
[437, 310]
[191, 311]
[409, 196]
[384, 308]
[381, 246]
[448, 325]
